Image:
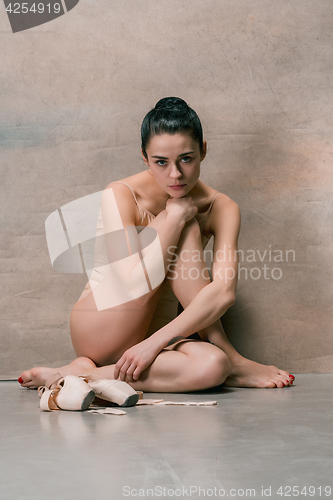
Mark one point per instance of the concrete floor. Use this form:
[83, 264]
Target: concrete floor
[253, 438]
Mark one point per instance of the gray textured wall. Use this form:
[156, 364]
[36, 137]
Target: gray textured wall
[73, 93]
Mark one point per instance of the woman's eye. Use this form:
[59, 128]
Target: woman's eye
[186, 159]
[161, 162]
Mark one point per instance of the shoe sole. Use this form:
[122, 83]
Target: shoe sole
[131, 400]
[88, 400]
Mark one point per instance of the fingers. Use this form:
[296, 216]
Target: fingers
[129, 374]
[117, 367]
[133, 361]
[136, 373]
[127, 370]
[123, 367]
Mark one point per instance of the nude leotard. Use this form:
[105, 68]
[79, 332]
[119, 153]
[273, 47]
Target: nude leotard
[145, 218]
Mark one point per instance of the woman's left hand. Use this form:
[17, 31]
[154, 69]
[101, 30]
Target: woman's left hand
[135, 360]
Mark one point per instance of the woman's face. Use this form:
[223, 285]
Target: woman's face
[174, 160]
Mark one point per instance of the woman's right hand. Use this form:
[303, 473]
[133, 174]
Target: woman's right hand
[182, 208]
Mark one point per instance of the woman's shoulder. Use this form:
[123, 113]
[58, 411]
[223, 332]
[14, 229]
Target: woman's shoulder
[225, 201]
[219, 198]
[128, 186]
[224, 211]
[124, 191]
[224, 206]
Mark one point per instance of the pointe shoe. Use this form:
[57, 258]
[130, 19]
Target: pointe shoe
[65, 393]
[115, 391]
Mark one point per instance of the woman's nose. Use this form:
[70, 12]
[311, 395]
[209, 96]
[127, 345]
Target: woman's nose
[175, 172]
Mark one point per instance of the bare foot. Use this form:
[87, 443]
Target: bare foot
[38, 376]
[246, 373]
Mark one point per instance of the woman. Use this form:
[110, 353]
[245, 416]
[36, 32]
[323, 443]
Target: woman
[168, 197]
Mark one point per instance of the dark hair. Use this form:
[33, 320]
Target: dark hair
[171, 115]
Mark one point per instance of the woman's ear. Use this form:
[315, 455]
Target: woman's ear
[144, 158]
[203, 151]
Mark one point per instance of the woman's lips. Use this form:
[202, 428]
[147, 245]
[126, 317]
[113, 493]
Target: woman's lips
[178, 186]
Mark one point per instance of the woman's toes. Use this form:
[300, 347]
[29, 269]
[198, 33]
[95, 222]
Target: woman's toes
[27, 383]
[290, 379]
[287, 381]
[31, 379]
[24, 379]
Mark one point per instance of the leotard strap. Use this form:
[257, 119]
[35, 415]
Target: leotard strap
[204, 219]
[142, 210]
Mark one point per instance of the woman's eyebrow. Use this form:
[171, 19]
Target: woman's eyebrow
[165, 157]
[184, 154]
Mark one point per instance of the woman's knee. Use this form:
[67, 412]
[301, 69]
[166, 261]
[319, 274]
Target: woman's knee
[216, 367]
[210, 366]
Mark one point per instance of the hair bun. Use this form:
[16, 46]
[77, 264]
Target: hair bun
[172, 103]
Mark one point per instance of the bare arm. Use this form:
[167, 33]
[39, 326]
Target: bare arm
[216, 297]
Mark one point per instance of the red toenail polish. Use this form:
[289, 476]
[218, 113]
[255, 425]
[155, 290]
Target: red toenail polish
[20, 380]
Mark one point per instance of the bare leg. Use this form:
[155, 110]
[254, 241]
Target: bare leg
[190, 366]
[244, 372]
[186, 366]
